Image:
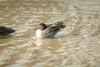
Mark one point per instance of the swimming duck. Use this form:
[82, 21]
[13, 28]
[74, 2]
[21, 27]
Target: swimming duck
[48, 31]
[5, 30]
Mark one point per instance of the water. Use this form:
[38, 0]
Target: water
[80, 46]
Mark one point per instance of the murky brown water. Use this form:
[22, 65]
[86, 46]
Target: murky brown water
[79, 48]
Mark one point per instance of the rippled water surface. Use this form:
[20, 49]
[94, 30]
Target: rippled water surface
[78, 45]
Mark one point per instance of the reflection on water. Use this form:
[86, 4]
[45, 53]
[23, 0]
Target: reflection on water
[79, 48]
[47, 42]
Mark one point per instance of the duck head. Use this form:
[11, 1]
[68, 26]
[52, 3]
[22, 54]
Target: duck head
[42, 26]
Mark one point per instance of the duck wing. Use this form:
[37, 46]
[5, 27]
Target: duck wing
[51, 31]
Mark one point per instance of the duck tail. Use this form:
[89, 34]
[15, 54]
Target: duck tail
[60, 24]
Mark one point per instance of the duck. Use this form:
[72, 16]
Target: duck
[4, 31]
[50, 30]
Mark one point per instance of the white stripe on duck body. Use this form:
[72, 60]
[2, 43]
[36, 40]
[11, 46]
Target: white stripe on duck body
[48, 31]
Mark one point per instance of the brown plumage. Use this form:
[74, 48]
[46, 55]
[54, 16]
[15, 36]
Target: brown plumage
[49, 30]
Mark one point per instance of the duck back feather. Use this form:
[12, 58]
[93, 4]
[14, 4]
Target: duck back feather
[52, 29]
